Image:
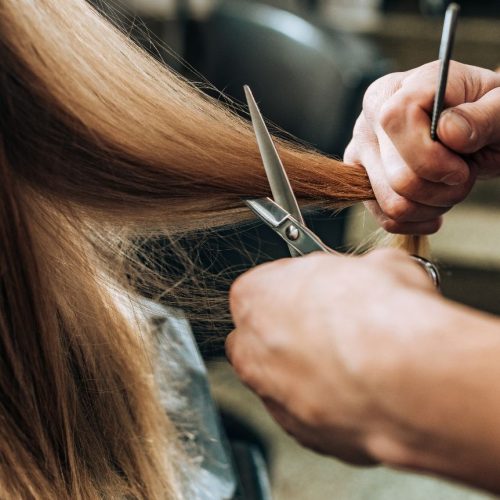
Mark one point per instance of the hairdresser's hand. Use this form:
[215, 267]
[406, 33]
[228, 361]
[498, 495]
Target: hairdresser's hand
[316, 338]
[416, 180]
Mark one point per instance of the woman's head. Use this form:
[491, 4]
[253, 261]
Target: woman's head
[101, 147]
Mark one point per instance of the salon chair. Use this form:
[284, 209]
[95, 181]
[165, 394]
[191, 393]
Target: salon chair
[307, 79]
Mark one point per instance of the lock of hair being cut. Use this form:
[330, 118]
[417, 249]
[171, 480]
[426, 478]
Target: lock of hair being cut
[102, 146]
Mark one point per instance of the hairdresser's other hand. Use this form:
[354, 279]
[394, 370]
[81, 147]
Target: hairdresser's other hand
[313, 341]
[415, 180]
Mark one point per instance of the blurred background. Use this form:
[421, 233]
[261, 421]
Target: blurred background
[309, 63]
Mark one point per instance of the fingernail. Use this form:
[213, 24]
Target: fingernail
[458, 122]
[454, 179]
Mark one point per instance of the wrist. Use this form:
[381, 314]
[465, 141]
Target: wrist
[439, 409]
[399, 377]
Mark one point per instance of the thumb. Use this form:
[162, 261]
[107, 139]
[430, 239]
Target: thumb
[469, 127]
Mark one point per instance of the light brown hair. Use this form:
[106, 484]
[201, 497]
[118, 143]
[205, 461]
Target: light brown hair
[100, 146]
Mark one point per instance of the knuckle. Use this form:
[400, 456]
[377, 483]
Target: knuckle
[380, 89]
[390, 226]
[425, 74]
[435, 225]
[255, 283]
[362, 132]
[237, 291]
[245, 371]
[372, 93]
[313, 413]
[430, 170]
[458, 195]
[392, 112]
[399, 111]
[430, 227]
[403, 181]
[422, 227]
[275, 342]
[350, 153]
[387, 255]
[359, 127]
[395, 207]
[433, 66]
[243, 367]
[237, 360]
[475, 81]
[362, 137]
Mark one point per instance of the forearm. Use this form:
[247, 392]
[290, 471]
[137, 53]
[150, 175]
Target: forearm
[441, 407]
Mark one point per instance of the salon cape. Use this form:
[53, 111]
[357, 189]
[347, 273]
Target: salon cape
[185, 394]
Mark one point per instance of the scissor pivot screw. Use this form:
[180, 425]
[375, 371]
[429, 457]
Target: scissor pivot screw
[292, 233]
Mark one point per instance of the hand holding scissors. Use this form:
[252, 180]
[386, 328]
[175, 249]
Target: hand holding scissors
[283, 214]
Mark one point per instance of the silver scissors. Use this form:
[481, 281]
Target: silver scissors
[283, 214]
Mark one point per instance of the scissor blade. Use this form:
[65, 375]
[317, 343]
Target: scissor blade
[276, 174]
[301, 239]
[268, 211]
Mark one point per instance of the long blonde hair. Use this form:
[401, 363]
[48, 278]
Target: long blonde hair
[100, 145]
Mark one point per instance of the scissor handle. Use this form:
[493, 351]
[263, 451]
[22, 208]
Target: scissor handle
[298, 236]
[304, 241]
[307, 242]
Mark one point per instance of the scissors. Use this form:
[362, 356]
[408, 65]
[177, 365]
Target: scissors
[283, 214]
